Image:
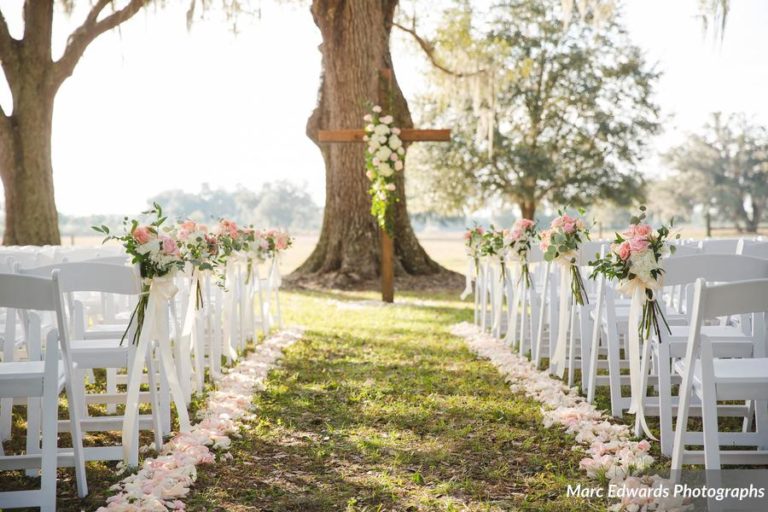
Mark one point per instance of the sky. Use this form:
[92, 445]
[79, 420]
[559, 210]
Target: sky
[155, 106]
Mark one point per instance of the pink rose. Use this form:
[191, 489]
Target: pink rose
[189, 225]
[142, 234]
[228, 227]
[282, 242]
[516, 233]
[468, 235]
[169, 246]
[557, 222]
[623, 250]
[524, 224]
[643, 230]
[569, 227]
[638, 244]
[480, 230]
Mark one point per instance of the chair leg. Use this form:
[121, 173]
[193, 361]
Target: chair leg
[761, 421]
[157, 426]
[614, 375]
[50, 445]
[34, 409]
[666, 428]
[111, 388]
[709, 409]
[77, 442]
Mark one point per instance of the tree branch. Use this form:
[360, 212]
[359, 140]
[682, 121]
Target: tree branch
[429, 50]
[8, 50]
[90, 29]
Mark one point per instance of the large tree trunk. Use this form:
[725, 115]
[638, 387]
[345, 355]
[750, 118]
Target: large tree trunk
[26, 169]
[355, 49]
[528, 209]
[25, 136]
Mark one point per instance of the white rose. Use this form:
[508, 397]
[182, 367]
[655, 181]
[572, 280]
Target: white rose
[401, 151]
[386, 119]
[381, 129]
[368, 118]
[377, 109]
[395, 142]
[383, 153]
[370, 128]
[398, 165]
[385, 170]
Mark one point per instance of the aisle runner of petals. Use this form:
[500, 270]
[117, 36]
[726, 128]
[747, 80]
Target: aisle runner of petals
[610, 452]
[163, 480]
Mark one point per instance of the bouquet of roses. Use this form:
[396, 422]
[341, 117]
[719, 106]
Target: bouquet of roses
[492, 245]
[635, 260]
[198, 247]
[383, 158]
[155, 251]
[473, 238]
[560, 244]
[519, 240]
[277, 241]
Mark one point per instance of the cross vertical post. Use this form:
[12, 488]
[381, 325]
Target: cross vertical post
[387, 242]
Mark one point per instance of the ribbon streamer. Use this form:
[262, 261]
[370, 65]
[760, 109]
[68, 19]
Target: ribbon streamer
[162, 290]
[557, 364]
[636, 363]
[468, 277]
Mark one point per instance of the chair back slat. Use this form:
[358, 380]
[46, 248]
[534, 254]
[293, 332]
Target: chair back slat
[28, 292]
[713, 268]
[735, 298]
[93, 277]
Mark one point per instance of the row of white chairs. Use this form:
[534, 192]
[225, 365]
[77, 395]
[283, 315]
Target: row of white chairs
[714, 353]
[63, 319]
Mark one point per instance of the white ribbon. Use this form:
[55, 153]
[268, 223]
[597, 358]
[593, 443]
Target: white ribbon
[155, 328]
[636, 363]
[513, 300]
[468, 277]
[275, 279]
[230, 311]
[557, 364]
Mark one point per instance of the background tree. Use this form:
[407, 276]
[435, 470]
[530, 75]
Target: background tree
[726, 166]
[564, 116]
[34, 78]
[356, 37]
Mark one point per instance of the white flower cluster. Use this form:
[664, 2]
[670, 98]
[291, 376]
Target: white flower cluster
[609, 452]
[384, 152]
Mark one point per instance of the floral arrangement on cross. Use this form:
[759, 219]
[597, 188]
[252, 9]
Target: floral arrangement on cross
[384, 155]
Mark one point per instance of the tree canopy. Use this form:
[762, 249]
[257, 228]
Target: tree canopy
[547, 108]
[724, 169]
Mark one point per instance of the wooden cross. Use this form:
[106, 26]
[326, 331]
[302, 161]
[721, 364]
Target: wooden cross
[406, 135]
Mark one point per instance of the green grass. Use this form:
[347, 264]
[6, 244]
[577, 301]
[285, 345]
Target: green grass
[380, 408]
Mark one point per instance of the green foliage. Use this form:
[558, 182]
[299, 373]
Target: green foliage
[551, 110]
[724, 169]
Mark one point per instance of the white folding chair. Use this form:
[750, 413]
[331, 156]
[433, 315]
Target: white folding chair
[106, 353]
[41, 381]
[711, 378]
[729, 340]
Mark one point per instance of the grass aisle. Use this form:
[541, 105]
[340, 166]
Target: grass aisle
[380, 408]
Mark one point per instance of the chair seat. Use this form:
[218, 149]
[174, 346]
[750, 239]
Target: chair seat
[100, 353]
[735, 379]
[723, 345]
[25, 378]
